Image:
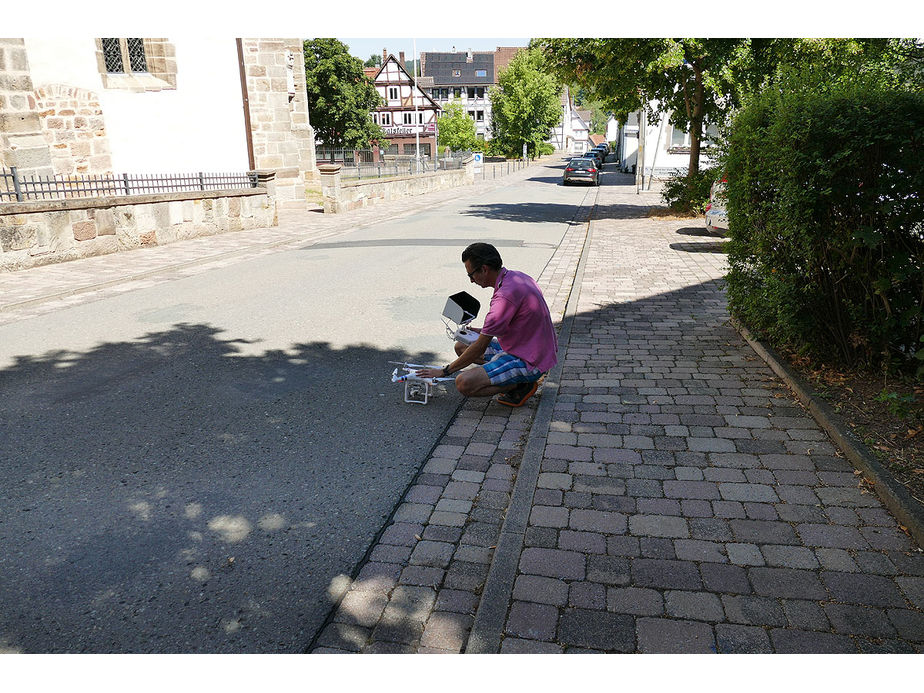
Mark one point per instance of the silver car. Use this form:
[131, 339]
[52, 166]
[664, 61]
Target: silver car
[716, 215]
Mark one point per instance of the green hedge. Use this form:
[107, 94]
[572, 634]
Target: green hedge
[826, 223]
[689, 194]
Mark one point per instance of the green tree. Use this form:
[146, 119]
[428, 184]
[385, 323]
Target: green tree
[374, 60]
[456, 130]
[693, 79]
[340, 96]
[525, 106]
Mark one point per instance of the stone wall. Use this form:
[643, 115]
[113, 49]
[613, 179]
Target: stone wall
[22, 142]
[73, 125]
[42, 233]
[283, 139]
[342, 196]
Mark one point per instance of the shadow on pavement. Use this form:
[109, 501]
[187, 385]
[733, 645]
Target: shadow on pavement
[176, 493]
[716, 247]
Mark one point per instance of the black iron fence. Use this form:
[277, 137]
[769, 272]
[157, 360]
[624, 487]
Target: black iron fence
[15, 187]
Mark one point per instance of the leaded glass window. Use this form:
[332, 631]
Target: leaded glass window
[136, 57]
[112, 55]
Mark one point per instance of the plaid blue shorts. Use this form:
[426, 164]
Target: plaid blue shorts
[506, 369]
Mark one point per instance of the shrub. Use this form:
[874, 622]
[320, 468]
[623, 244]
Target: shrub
[826, 222]
[689, 194]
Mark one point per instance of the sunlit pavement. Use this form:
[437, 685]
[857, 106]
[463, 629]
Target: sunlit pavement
[665, 493]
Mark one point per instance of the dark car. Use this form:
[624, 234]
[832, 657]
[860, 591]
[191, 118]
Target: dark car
[583, 169]
[597, 154]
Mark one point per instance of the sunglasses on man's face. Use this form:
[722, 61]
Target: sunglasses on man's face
[474, 271]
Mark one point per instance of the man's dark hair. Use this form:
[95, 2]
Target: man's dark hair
[483, 254]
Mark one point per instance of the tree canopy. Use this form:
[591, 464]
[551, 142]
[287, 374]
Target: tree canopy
[456, 130]
[340, 96]
[690, 78]
[525, 106]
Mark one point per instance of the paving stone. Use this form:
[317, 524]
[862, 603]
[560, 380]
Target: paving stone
[698, 606]
[623, 546]
[521, 646]
[748, 492]
[665, 636]
[836, 559]
[453, 505]
[658, 506]
[763, 532]
[856, 588]
[787, 641]
[710, 529]
[789, 556]
[555, 480]
[805, 615]
[543, 537]
[587, 595]
[658, 526]
[531, 588]
[885, 646]
[446, 631]
[585, 542]
[751, 610]
[728, 509]
[887, 538]
[466, 576]
[342, 636]
[547, 496]
[377, 577]
[800, 513]
[598, 521]
[599, 630]
[432, 553]
[566, 565]
[734, 639]
[700, 551]
[608, 570]
[402, 534]
[546, 516]
[696, 508]
[702, 490]
[761, 511]
[744, 554]
[665, 574]
[913, 588]
[786, 582]
[878, 563]
[596, 484]
[532, 621]
[849, 497]
[422, 576]
[859, 620]
[909, 624]
[644, 488]
[456, 600]
[397, 627]
[387, 553]
[361, 608]
[832, 536]
[420, 493]
[481, 533]
[442, 533]
[725, 578]
[657, 547]
[635, 600]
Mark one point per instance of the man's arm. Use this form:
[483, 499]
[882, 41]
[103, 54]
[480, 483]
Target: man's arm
[474, 352]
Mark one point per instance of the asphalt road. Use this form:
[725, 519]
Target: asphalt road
[195, 466]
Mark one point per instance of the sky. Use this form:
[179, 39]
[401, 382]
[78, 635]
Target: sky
[364, 47]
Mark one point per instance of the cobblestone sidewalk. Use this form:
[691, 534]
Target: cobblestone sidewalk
[683, 500]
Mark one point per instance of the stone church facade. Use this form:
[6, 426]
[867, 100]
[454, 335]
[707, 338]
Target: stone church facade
[83, 106]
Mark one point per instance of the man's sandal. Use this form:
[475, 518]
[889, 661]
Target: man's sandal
[517, 396]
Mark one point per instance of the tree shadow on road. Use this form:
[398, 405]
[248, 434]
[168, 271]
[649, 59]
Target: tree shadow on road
[181, 493]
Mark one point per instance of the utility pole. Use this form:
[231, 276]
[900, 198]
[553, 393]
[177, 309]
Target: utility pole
[417, 125]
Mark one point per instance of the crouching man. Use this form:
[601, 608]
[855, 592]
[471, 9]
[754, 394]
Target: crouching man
[517, 343]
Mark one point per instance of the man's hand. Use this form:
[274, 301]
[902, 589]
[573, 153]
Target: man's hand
[429, 373]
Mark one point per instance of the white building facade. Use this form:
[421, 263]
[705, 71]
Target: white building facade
[408, 115]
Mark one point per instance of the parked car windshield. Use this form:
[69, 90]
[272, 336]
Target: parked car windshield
[582, 163]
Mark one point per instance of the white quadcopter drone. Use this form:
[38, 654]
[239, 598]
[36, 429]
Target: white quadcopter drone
[459, 311]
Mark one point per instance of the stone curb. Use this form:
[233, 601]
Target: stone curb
[896, 497]
[485, 636]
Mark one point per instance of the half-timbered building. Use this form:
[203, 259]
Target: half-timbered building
[408, 115]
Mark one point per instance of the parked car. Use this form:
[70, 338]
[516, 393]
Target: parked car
[716, 214]
[583, 169]
[597, 154]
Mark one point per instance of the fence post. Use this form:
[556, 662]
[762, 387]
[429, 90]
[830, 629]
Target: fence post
[128, 190]
[16, 184]
[201, 181]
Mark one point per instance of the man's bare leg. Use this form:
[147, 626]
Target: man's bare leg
[475, 382]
